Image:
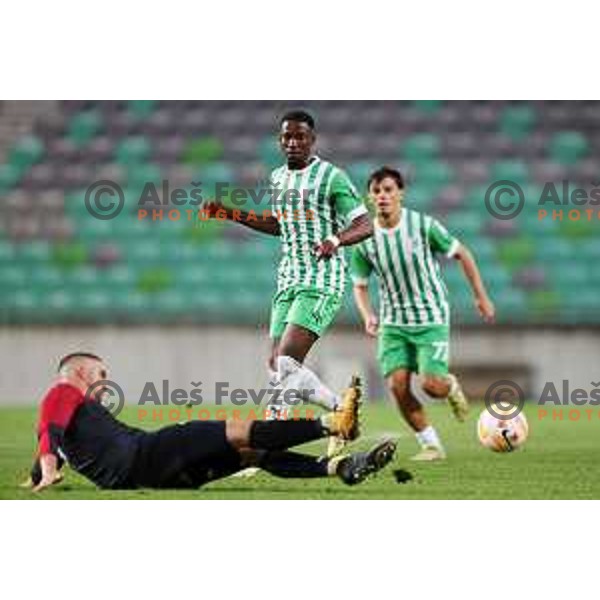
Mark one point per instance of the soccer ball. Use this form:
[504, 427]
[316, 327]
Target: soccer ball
[502, 435]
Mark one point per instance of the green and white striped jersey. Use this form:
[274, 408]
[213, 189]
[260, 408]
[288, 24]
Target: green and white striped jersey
[311, 204]
[411, 288]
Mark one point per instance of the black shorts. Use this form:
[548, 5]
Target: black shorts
[185, 456]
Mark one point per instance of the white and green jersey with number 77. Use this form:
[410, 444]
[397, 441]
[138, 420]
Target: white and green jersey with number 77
[404, 259]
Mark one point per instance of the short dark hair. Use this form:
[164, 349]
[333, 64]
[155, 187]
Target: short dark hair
[299, 116]
[383, 172]
[68, 357]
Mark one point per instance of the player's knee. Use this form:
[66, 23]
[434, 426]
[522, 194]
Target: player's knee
[438, 387]
[237, 433]
[399, 386]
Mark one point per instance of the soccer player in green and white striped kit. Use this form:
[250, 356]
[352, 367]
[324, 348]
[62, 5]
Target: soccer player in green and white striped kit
[317, 211]
[413, 327]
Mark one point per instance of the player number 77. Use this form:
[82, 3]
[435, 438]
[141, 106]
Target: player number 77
[441, 351]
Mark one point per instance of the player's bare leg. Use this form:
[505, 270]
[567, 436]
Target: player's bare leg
[414, 414]
[447, 388]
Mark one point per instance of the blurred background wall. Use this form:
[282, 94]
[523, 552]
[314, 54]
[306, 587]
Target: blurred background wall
[174, 299]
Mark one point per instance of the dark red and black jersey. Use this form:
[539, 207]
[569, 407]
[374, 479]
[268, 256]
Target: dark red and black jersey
[56, 412]
[88, 437]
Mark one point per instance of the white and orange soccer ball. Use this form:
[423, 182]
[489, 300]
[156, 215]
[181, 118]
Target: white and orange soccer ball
[502, 435]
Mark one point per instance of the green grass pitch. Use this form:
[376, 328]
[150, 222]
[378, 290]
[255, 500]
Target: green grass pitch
[558, 461]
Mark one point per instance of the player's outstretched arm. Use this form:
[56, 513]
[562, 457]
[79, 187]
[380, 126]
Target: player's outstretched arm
[268, 225]
[360, 229]
[482, 301]
[50, 472]
[363, 303]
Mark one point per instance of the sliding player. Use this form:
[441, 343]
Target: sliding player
[413, 327]
[315, 200]
[74, 426]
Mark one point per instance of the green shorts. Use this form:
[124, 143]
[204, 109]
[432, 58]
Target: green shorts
[419, 349]
[310, 308]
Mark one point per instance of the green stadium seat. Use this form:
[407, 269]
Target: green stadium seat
[69, 255]
[421, 147]
[60, 301]
[517, 121]
[516, 252]
[29, 300]
[511, 305]
[580, 300]
[82, 276]
[95, 301]
[568, 147]
[421, 195]
[544, 304]
[120, 276]
[154, 279]
[577, 230]
[214, 172]
[45, 277]
[142, 108]
[199, 152]
[7, 251]
[133, 150]
[270, 153]
[428, 106]
[551, 249]
[498, 277]
[588, 250]
[138, 175]
[9, 177]
[568, 273]
[13, 276]
[131, 303]
[511, 170]
[193, 277]
[34, 251]
[483, 248]
[465, 224]
[434, 174]
[169, 302]
[83, 127]
[26, 152]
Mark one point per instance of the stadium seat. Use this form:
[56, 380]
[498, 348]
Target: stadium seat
[511, 170]
[516, 253]
[142, 108]
[133, 150]
[26, 152]
[428, 106]
[434, 174]
[203, 151]
[84, 127]
[517, 121]
[9, 177]
[421, 147]
[568, 147]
